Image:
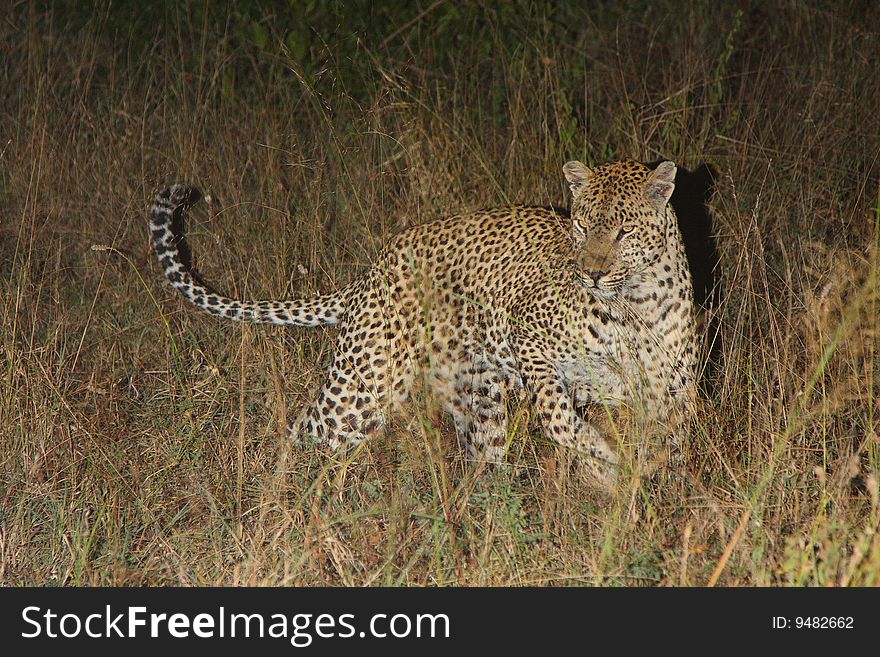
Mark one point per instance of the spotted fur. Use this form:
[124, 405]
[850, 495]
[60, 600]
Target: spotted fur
[324, 309]
[588, 310]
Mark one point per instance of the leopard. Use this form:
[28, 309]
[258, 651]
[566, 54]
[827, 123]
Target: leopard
[577, 311]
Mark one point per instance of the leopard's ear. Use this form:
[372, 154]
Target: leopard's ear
[577, 176]
[661, 184]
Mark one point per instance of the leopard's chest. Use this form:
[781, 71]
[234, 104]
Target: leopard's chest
[626, 351]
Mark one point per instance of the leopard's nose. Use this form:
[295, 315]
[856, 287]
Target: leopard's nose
[596, 274]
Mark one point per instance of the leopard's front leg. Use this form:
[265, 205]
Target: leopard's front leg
[555, 408]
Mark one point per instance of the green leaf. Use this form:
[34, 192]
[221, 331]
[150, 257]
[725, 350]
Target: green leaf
[296, 44]
[258, 34]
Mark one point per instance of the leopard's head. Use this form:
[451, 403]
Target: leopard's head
[619, 221]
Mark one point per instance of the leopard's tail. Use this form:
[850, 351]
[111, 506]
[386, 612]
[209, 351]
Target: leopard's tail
[322, 309]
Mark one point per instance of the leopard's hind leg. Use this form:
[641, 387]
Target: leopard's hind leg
[479, 411]
[368, 381]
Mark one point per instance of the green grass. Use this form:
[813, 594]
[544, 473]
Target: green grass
[142, 443]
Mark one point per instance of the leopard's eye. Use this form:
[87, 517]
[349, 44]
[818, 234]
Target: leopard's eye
[579, 227]
[626, 229]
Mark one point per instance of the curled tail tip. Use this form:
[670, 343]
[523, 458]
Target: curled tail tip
[178, 195]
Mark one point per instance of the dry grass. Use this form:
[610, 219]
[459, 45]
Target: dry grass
[142, 443]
